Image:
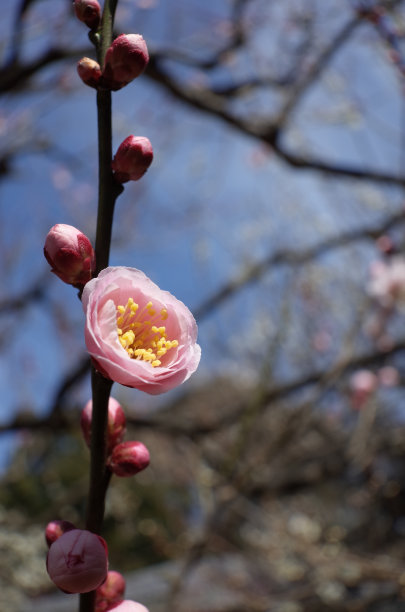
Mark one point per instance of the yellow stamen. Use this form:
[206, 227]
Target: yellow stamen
[138, 334]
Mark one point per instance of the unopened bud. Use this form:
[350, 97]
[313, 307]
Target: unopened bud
[129, 458]
[110, 592]
[132, 159]
[55, 529]
[363, 384]
[88, 11]
[125, 60]
[77, 561]
[89, 71]
[70, 254]
[129, 606]
[116, 423]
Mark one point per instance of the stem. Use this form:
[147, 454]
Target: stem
[109, 190]
[99, 475]
[106, 195]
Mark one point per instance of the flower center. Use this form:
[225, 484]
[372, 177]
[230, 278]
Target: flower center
[139, 334]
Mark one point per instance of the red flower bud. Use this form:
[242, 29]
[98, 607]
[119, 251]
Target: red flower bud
[88, 11]
[129, 458]
[89, 71]
[70, 254]
[132, 159]
[116, 423]
[77, 561]
[110, 592]
[55, 529]
[125, 60]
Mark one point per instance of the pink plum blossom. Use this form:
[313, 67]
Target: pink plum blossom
[55, 529]
[125, 60]
[132, 159]
[137, 334]
[77, 561]
[128, 606]
[116, 423]
[129, 458]
[88, 11]
[70, 254]
[110, 592]
[387, 284]
[389, 376]
[89, 71]
[363, 384]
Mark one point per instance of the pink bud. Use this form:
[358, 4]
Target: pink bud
[132, 159]
[110, 592]
[128, 606]
[125, 60]
[116, 423]
[77, 561]
[89, 71]
[389, 376]
[55, 529]
[88, 11]
[129, 458]
[363, 384]
[70, 254]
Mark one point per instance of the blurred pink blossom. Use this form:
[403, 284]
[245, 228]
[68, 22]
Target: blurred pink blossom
[387, 284]
[55, 529]
[128, 606]
[388, 376]
[137, 334]
[77, 561]
[110, 592]
[363, 384]
[88, 11]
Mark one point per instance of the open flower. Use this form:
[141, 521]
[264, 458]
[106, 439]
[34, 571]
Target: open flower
[137, 334]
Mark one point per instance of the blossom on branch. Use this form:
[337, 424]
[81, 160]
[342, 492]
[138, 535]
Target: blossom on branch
[125, 60]
[387, 284]
[89, 71]
[70, 254]
[129, 458]
[137, 334]
[77, 561]
[111, 592]
[55, 529]
[88, 11]
[132, 159]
